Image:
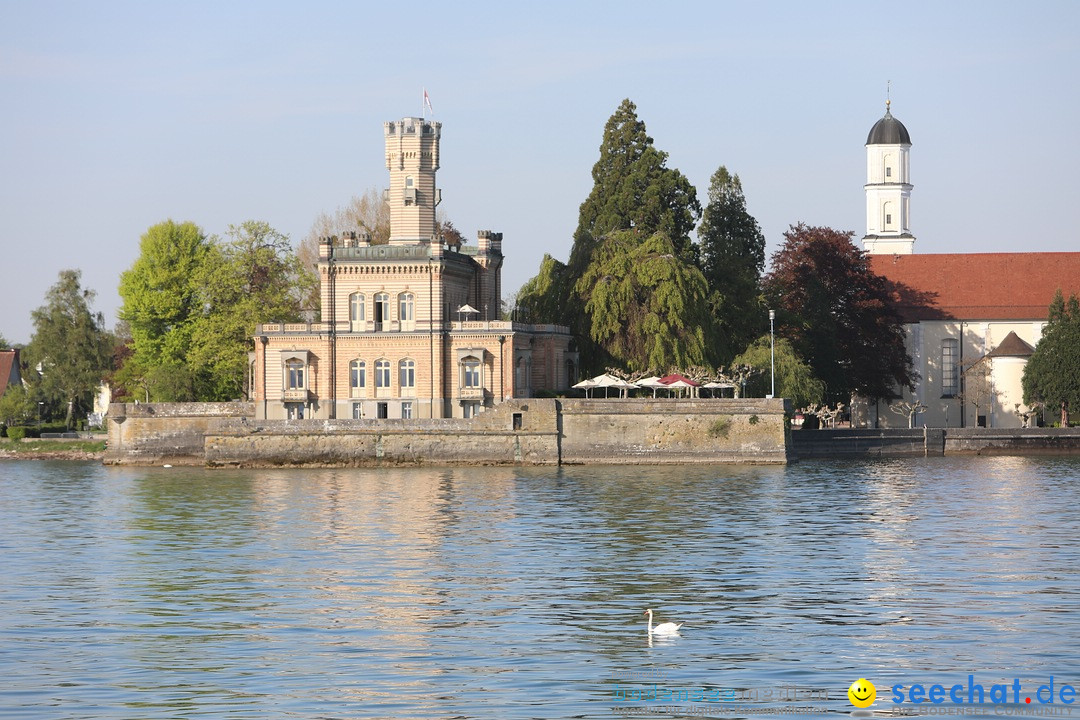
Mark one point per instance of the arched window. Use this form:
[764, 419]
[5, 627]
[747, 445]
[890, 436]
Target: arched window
[294, 374]
[470, 373]
[357, 378]
[357, 312]
[382, 374]
[571, 372]
[407, 377]
[382, 312]
[887, 216]
[406, 308]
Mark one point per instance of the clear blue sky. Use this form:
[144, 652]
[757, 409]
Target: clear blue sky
[118, 115]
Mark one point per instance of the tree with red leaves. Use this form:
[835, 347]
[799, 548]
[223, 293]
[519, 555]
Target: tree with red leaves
[839, 314]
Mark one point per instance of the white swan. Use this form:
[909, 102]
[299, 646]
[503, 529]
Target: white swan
[668, 628]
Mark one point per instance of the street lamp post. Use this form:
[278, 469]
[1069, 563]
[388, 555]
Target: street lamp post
[772, 353]
[39, 415]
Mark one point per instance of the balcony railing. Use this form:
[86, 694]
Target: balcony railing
[472, 393]
[294, 395]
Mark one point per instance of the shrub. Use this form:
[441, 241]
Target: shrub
[16, 433]
[754, 419]
[719, 428]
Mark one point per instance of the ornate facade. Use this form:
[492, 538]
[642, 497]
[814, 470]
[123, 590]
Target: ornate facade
[409, 329]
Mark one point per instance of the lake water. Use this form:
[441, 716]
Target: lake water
[519, 593]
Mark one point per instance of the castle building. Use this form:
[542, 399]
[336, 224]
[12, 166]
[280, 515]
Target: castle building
[971, 319]
[409, 329]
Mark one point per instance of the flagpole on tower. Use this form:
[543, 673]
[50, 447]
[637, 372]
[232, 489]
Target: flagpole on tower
[427, 106]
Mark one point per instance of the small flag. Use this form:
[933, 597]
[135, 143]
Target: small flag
[427, 102]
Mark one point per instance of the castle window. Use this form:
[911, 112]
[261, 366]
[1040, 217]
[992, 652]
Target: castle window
[357, 377]
[382, 312]
[357, 312]
[294, 374]
[470, 372]
[406, 411]
[950, 355]
[407, 377]
[358, 411]
[382, 374]
[406, 303]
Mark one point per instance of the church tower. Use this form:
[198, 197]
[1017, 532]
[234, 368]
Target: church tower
[412, 157]
[888, 188]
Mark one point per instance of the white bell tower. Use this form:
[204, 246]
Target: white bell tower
[888, 188]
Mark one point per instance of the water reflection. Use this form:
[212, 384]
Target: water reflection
[519, 592]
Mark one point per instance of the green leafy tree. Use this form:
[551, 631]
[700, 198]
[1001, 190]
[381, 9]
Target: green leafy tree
[253, 277]
[71, 346]
[540, 299]
[17, 406]
[645, 303]
[732, 259]
[795, 380]
[3, 342]
[838, 314]
[1052, 373]
[161, 303]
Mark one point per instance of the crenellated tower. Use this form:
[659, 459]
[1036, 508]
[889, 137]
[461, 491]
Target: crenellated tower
[888, 188]
[412, 157]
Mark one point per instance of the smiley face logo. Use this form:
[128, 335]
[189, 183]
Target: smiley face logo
[862, 693]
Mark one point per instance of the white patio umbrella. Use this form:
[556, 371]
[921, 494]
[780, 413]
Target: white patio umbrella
[467, 310]
[652, 382]
[586, 385]
[718, 386]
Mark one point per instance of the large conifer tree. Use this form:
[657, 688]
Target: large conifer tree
[732, 259]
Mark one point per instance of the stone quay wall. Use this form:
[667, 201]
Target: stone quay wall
[931, 442]
[168, 433]
[523, 431]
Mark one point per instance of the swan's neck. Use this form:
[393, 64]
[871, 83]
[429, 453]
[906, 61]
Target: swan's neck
[650, 622]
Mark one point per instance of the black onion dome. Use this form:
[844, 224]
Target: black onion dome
[888, 131]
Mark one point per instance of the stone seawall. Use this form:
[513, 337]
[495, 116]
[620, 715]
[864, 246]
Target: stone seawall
[168, 433]
[527, 432]
[672, 431]
[932, 442]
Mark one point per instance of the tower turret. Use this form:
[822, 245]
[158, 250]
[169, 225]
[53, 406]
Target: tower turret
[412, 157]
[888, 188]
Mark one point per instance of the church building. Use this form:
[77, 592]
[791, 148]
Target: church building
[972, 319]
[409, 329]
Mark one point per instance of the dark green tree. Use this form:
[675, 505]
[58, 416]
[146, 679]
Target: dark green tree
[633, 189]
[645, 303]
[161, 303]
[252, 277]
[732, 259]
[70, 345]
[838, 314]
[1052, 373]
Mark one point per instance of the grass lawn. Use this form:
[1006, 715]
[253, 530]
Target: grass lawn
[45, 446]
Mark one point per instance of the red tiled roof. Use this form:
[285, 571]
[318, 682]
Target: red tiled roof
[8, 358]
[979, 286]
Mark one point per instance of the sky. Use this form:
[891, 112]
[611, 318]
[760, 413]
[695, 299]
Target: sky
[115, 116]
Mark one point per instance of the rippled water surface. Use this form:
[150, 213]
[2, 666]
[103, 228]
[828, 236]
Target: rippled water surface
[518, 593]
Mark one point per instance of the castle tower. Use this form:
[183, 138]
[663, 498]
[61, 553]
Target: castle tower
[412, 157]
[888, 188]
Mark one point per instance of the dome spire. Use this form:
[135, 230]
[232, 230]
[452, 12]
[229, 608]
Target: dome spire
[888, 96]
